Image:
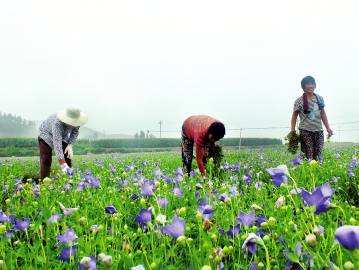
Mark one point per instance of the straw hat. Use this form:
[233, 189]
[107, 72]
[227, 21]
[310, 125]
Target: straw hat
[73, 117]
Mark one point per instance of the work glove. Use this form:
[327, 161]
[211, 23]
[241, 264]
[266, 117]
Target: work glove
[69, 152]
[66, 169]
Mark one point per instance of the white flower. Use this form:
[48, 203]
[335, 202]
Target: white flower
[161, 219]
[295, 191]
[280, 202]
[106, 259]
[138, 267]
[253, 238]
[85, 261]
[67, 211]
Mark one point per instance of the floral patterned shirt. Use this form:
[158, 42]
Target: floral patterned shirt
[54, 132]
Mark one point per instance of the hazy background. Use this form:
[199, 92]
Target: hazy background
[129, 64]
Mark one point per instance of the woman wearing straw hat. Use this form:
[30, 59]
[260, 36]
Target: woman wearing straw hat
[59, 132]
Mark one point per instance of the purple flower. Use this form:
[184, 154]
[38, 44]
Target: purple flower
[9, 234]
[175, 229]
[177, 192]
[179, 172]
[352, 166]
[82, 185]
[233, 230]
[67, 253]
[144, 217]
[348, 236]
[253, 266]
[147, 188]
[296, 161]
[247, 178]
[110, 209]
[279, 175]
[247, 219]
[206, 210]
[223, 197]
[129, 168]
[112, 168]
[89, 181]
[4, 218]
[70, 171]
[250, 244]
[54, 218]
[36, 191]
[21, 225]
[232, 167]
[320, 198]
[162, 202]
[68, 237]
[88, 263]
[260, 219]
[233, 190]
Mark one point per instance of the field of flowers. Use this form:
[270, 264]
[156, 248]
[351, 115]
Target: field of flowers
[264, 210]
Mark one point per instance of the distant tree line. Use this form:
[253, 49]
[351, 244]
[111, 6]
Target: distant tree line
[11, 124]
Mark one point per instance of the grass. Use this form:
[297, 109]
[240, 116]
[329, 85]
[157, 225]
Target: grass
[129, 245]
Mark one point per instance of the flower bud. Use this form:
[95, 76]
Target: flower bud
[271, 221]
[266, 238]
[318, 230]
[2, 228]
[352, 221]
[348, 265]
[214, 237]
[311, 239]
[181, 240]
[182, 211]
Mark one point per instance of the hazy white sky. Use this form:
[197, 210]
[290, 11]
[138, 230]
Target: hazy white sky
[129, 64]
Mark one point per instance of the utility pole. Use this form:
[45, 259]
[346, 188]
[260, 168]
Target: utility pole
[160, 123]
[240, 138]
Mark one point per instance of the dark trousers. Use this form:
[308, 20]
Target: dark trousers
[312, 143]
[46, 158]
[187, 153]
[187, 145]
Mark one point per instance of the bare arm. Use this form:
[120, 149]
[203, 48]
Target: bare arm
[326, 122]
[293, 121]
[199, 158]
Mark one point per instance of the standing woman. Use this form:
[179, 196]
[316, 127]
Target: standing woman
[310, 108]
[59, 132]
[201, 131]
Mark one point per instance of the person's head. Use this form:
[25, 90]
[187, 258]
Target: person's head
[216, 131]
[308, 84]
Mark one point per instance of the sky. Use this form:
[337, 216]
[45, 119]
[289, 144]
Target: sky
[130, 64]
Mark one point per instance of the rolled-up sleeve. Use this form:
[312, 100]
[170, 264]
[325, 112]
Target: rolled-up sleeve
[57, 140]
[74, 134]
[321, 103]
